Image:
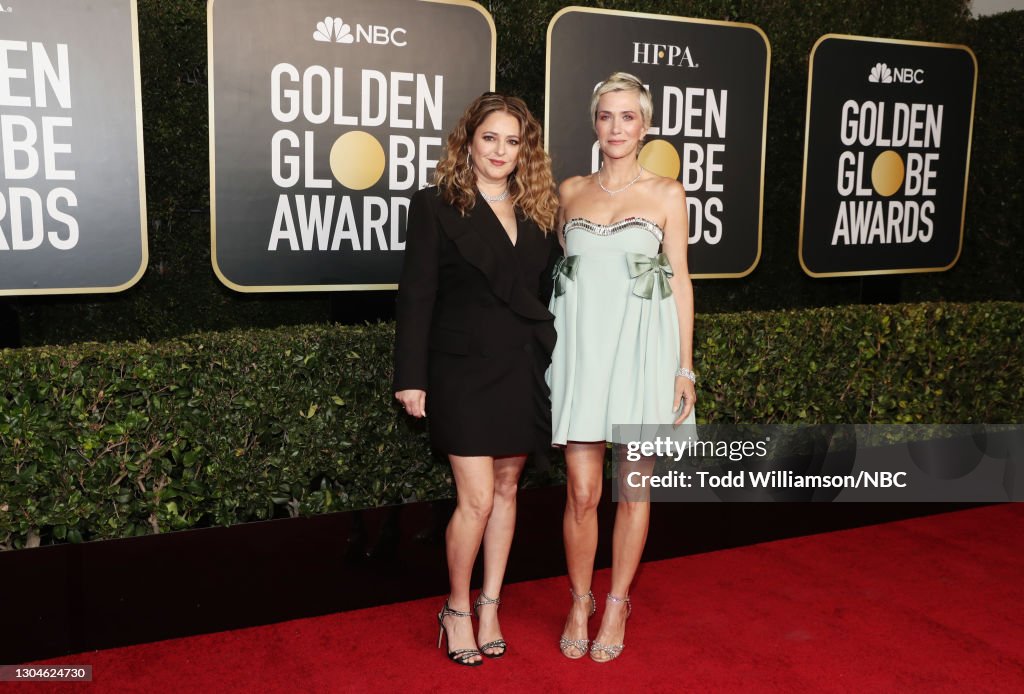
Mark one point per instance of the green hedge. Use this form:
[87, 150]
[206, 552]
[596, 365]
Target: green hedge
[122, 439]
[179, 293]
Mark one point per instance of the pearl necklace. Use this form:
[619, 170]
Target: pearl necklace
[496, 198]
[616, 192]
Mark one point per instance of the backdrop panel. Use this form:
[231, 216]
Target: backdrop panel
[887, 149]
[325, 118]
[72, 198]
[709, 81]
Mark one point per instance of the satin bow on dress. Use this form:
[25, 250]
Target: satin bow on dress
[647, 271]
[565, 269]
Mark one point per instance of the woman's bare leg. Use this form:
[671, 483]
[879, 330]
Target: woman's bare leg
[632, 519]
[585, 471]
[498, 541]
[474, 484]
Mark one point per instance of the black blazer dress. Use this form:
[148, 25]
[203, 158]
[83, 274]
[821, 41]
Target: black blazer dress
[473, 328]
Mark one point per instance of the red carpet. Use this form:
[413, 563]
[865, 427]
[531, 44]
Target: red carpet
[931, 605]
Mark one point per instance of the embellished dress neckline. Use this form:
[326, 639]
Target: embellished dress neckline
[614, 227]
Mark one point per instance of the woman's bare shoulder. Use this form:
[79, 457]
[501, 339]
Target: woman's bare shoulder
[665, 186]
[570, 187]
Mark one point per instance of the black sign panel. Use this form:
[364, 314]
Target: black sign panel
[72, 198]
[709, 81]
[325, 117]
[886, 155]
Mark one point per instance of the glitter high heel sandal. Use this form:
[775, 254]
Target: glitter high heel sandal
[460, 656]
[482, 600]
[612, 651]
[582, 645]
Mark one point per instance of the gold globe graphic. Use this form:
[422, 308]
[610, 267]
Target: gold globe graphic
[357, 160]
[659, 157]
[887, 173]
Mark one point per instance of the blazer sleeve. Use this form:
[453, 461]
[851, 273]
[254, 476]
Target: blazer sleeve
[417, 291]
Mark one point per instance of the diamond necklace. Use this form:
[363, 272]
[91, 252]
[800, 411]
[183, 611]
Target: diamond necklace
[615, 192]
[496, 198]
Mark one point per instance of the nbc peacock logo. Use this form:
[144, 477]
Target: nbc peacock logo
[333, 30]
[880, 74]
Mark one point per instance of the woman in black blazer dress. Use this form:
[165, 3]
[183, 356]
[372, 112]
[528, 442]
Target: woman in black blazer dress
[474, 338]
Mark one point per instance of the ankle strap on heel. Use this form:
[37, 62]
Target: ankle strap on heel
[448, 611]
[482, 600]
[579, 598]
[629, 603]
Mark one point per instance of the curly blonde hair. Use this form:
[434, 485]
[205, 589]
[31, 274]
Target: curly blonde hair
[531, 185]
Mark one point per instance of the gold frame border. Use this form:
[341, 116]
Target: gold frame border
[685, 20]
[143, 223]
[261, 289]
[807, 134]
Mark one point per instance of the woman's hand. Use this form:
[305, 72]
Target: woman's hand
[685, 388]
[414, 402]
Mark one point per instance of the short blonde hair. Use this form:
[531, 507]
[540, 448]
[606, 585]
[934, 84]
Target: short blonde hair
[624, 82]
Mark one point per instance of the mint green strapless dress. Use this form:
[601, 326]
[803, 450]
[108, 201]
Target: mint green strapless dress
[618, 332]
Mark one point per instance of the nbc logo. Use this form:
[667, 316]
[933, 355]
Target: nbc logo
[883, 74]
[334, 30]
[879, 73]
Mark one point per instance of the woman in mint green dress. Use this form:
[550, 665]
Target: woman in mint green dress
[623, 306]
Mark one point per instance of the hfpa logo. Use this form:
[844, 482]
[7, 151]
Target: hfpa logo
[662, 54]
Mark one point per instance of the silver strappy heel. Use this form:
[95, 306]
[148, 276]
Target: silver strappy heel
[482, 600]
[613, 651]
[461, 656]
[582, 645]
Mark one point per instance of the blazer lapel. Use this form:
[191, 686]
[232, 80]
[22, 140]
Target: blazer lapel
[482, 241]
